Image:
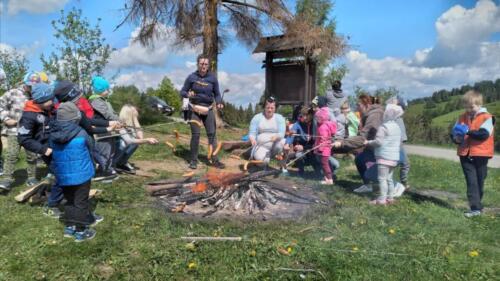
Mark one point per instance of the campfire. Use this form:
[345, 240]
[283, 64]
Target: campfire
[256, 195]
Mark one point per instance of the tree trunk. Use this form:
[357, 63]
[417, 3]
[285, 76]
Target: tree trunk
[211, 43]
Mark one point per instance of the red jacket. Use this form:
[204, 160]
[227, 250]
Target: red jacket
[83, 104]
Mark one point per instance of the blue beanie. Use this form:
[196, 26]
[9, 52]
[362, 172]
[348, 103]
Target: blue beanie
[99, 84]
[41, 93]
[31, 78]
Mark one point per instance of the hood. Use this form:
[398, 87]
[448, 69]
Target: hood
[31, 106]
[338, 94]
[322, 115]
[64, 131]
[373, 108]
[392, 112]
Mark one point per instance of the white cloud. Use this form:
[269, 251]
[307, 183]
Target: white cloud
[462, 55]
[244, 88]
[35, 6]
[155, 55]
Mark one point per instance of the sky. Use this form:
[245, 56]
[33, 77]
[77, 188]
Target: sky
[417, 46]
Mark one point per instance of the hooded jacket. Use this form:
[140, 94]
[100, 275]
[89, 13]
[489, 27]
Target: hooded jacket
[371, 120]
[205, 87]
[34, 128]
[326, 130]
[11, 107]
[71, 146]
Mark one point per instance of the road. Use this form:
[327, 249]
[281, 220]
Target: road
[444, 153]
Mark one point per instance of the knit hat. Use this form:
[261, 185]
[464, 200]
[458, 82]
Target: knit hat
[392, 112]
[322, 101]
[31, 78]
[68, 111]
[66, 91]
[41, 93]
[43, 77]
[99, 84]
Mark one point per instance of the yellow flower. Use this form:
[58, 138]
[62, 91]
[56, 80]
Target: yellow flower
[355, 249]
[190, 246]
[289, 250]
[392, 231]
[252, 253]
[192, 265]
[473, 253]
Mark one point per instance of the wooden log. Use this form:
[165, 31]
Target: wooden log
[231, 145]
[151, 189]
[27, 193]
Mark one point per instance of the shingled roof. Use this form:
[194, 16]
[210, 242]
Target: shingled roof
[277, 43]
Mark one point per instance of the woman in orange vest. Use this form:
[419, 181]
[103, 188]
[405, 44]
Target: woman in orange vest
[473, 133]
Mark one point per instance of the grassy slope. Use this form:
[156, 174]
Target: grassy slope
[137, 240]
[446, 119]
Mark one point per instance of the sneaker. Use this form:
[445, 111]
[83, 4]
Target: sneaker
[327, 182]
[472, 213]
[97, 219]
[218, 164]
[124, 169]
[5, 185]
[87, 234]
[105, 177]
[193, 165]
[32, 182]
[365, 188]
[379, 202]
[399, 189]
[69, 231]
[52, 212]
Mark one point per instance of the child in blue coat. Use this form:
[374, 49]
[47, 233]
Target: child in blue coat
[73, 168]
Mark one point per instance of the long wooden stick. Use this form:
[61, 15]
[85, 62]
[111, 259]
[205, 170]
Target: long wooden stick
[210, 238]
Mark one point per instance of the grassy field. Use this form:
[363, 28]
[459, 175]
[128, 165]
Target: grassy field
[138, 240]
[447, 119]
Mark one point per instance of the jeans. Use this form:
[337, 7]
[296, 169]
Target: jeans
[210, 127]
[385, 181]
[104, 151]
[404, 166]
[361, 159]
[56, 195]
[123, 153]
[475, 171]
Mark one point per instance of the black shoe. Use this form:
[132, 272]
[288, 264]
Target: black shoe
[193, 165]
[5, 185]
[218, 164]
[127, 168]
[107, 176]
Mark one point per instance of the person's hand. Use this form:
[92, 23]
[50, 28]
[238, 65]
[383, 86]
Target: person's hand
[10, 122]
[253, 142]
[220, 106]
[337, 144]
[299, 148]
[365, 142]
[152, 140]
[48, 152]
[191, 94]
[115, 124]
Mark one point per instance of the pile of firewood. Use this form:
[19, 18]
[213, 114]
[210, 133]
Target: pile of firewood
[233, 193]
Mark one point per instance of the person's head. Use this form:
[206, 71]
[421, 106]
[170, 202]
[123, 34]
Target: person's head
[67, 91]
[100, 86]
[203, 63]
[31, 78]
[305, 115]
[345, 108]
[337, 86]
[364, 102]
[392, 112]
[472, 101]
[42, 95]
[69, 112]
[269, 107]
[322, 101]
[128, 115]
[44, 78]
[322, 115]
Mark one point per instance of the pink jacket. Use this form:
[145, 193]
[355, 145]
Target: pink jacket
[326, 130]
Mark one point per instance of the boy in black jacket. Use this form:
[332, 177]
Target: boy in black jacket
[33, 135]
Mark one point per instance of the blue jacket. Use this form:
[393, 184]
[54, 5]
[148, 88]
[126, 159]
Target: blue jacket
[71, 146]
[254, 125]
[205, 87]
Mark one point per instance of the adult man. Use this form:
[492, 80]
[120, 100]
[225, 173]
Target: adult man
[202, 89]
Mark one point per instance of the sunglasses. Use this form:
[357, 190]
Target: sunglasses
[271, 99]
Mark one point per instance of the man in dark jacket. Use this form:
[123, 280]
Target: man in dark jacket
[202, 89]
[33, 135]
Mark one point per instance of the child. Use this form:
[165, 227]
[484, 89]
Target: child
[351, 119]
[387, 144]
[33, 135]
[105, 149]
[73, 168]
[475, 147]
[326, 130]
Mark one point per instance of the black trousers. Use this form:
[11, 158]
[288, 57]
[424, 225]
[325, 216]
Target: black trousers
[210, 127]
[475, 170]
[77, 208]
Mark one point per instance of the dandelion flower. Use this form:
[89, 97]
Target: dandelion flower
[473, 253]
[392, 231]
[355, 249]
[192, 265]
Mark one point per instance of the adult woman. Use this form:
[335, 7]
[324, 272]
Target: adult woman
[267, 132]
[202, 89]
[130, 139]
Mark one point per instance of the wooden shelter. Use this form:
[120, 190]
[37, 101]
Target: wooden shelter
[290, 75]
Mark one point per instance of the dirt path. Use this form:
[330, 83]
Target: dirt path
[443, 153]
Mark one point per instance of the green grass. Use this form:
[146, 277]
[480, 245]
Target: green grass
[138, 239]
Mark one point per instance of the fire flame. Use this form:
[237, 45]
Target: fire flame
[216, 179]
[199, 187]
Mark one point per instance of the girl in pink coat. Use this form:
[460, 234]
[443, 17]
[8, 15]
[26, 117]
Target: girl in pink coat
[326, 130]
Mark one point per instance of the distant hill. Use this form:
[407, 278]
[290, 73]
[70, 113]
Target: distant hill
[430, 119]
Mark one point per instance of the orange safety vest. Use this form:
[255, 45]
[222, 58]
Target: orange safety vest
[470, 146]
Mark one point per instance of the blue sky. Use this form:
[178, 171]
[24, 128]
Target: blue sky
[416, 46]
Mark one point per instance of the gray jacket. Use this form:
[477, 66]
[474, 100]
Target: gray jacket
[334, 101]
[104, 108]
